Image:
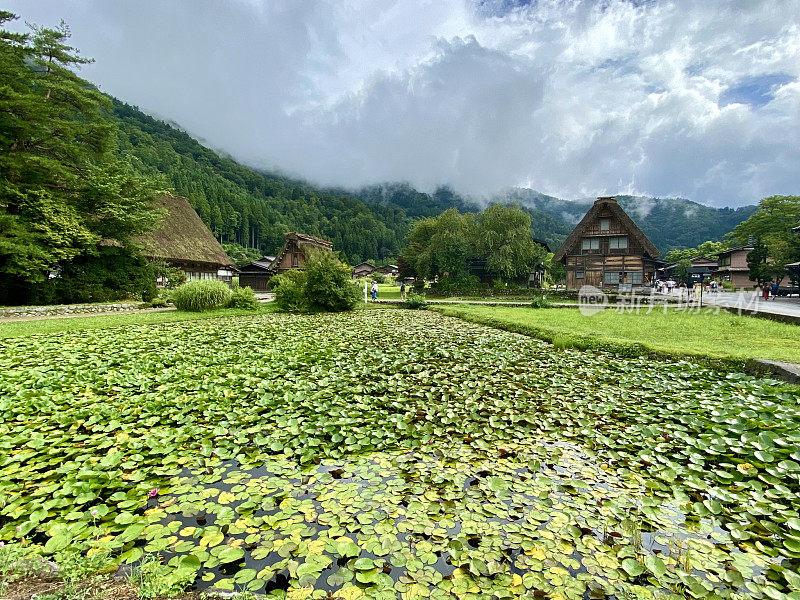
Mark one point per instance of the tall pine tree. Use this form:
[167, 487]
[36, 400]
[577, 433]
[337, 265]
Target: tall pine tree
[62, 189]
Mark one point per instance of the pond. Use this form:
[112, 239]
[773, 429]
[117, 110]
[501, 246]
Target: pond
[393, 453]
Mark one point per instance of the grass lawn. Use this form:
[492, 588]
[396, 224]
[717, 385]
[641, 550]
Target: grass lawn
[10, 329]
[720, 335]
[393, 454]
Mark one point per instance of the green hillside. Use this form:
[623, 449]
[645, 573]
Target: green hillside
[251, 208]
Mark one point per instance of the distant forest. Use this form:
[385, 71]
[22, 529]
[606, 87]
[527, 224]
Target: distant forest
[254, 209]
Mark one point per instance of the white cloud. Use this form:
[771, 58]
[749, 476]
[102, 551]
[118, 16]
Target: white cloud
[571, 97]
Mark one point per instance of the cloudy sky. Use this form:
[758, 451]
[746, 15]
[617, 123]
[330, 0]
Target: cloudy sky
[572, 98]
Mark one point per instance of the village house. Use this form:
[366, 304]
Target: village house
[733, 266]
[702, 269]
[293, 255]
[184, 242]
[363, 269]
[257, 273]
[607, 250]
[390, 270]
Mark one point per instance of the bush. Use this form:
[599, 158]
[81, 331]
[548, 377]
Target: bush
[415, 301]
[159, 302]
[540, 302]
[243, 297]
[201, 294]
[290, 293]
[379, 277]
[324, 285]
[419, 285]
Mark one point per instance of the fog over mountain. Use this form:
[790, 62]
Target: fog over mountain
[576, 98]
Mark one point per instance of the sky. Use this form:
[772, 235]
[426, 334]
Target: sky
[573, 98]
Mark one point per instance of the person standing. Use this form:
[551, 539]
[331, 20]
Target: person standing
[403, 291]
[774, 290]
[765, 291]
[374, 291]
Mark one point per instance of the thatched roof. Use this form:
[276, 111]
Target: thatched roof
[309, 239]
[183, 237]
[303, 240]
[609, 202]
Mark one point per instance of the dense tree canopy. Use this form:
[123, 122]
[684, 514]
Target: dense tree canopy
[503, 236]
[497, 242]
[62, 189]
[771, 228]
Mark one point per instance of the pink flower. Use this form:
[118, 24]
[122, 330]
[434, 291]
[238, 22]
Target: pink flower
[94, 513]
[2, 544]
[152, 493]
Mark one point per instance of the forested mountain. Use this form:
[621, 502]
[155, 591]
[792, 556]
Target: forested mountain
[253, 208]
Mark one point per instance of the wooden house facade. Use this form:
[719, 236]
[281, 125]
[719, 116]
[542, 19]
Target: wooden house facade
[607, 250]
[256, 274]
[293, 255]
[183, 241]
[363, 269]
[388, 270]
[733, 266]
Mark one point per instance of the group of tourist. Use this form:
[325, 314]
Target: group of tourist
[769, 286]
[374, 291]
[768, 290]
[668, 287]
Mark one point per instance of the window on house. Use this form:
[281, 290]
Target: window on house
[634, 277]
[618, 243]
[611, 277]
[294, 259]
[578, 274]
[605, 224]
[591, 244]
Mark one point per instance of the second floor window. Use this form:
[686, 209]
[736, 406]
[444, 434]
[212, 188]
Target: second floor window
[605, 224]
[617, 243]
[591, 244]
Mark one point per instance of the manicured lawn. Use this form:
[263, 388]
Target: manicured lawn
[9, 329]
[720, 335]
[396, 454]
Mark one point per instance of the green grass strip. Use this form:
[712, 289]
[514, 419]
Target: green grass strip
[720, 340]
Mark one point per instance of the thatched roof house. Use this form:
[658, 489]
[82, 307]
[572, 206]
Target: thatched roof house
[292, 256]
[607, 250]
[183, 241]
